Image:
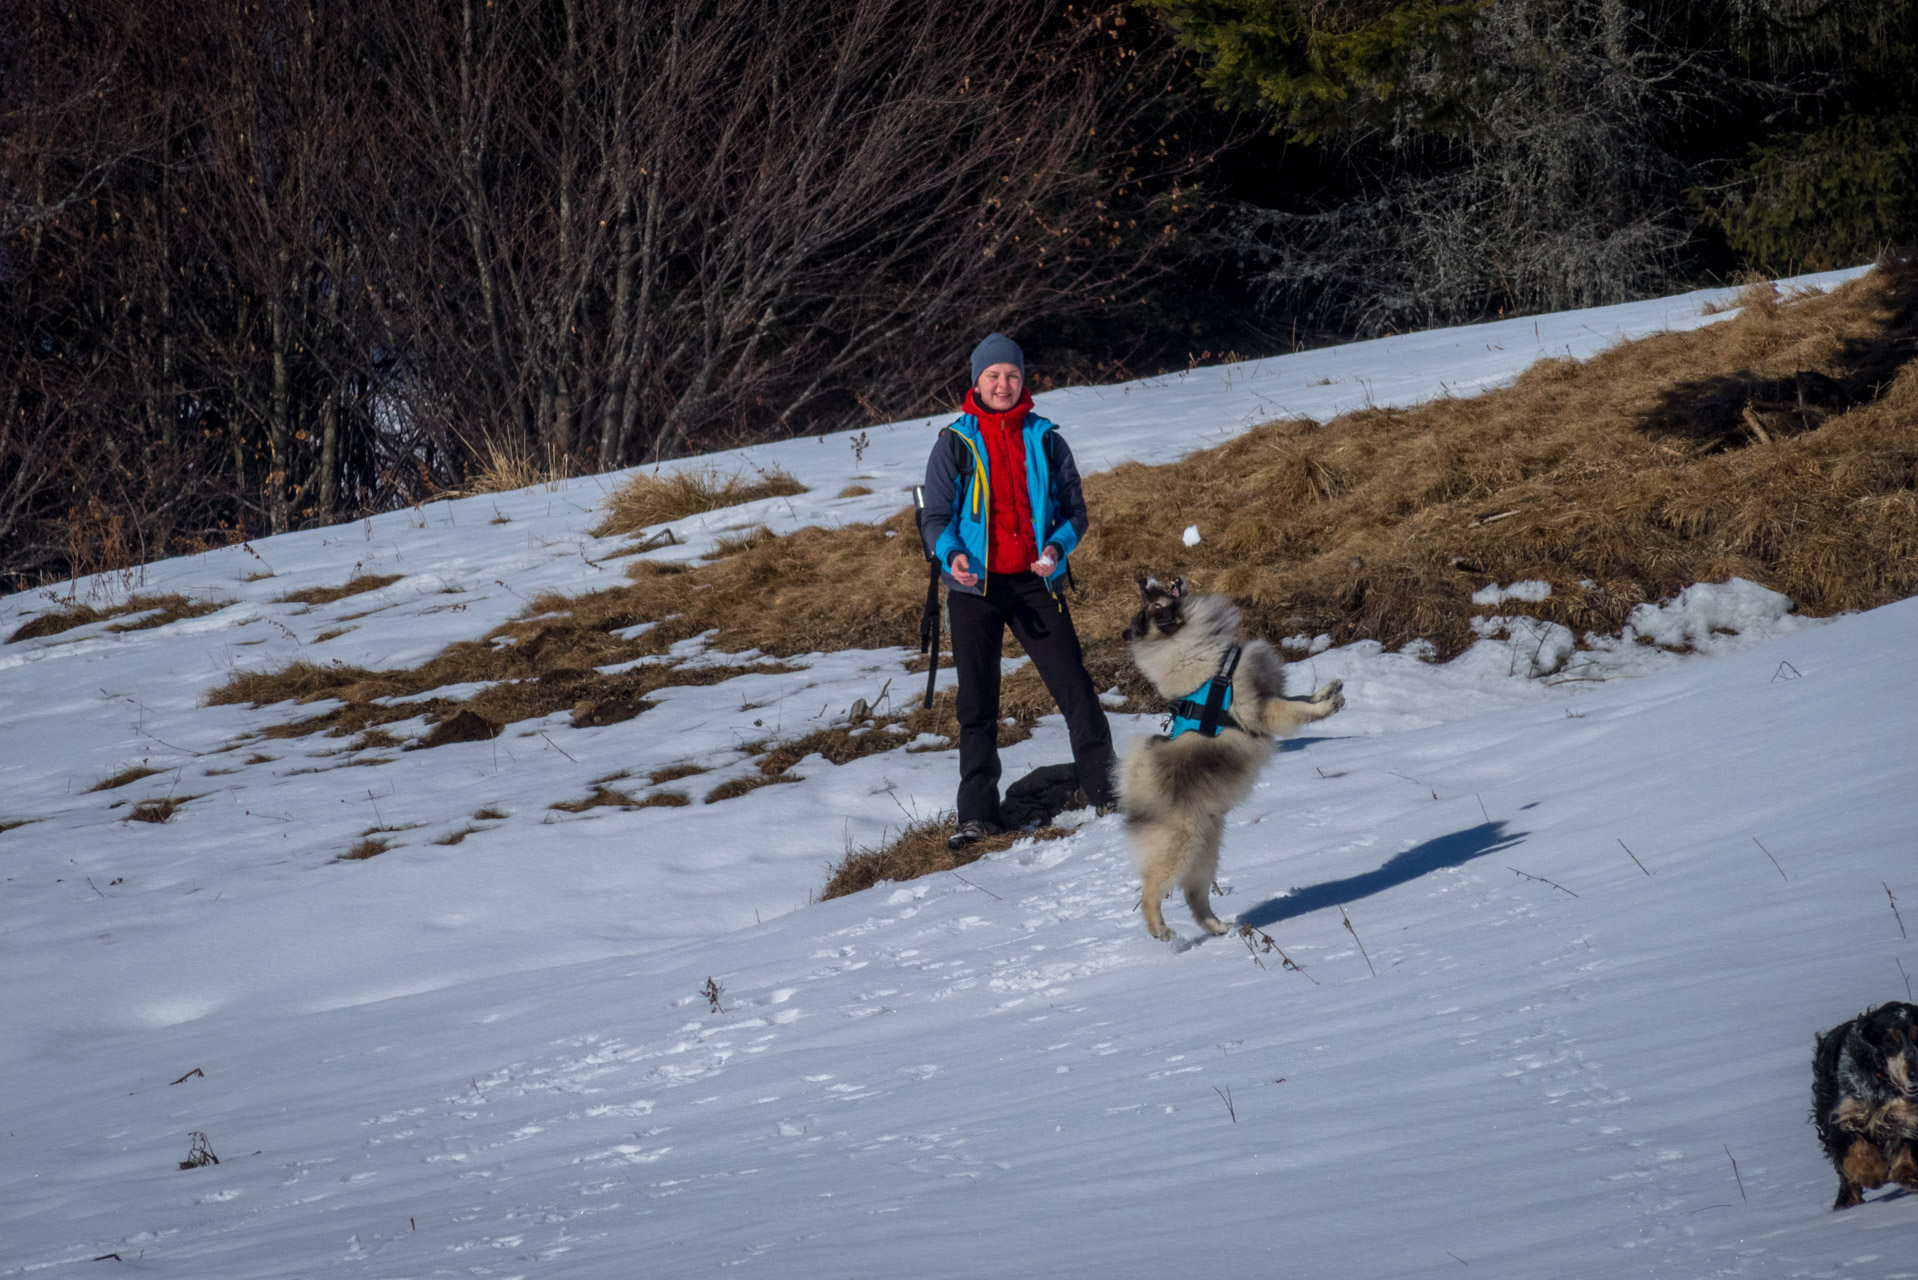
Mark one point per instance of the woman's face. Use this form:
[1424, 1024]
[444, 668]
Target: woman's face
[999, 387]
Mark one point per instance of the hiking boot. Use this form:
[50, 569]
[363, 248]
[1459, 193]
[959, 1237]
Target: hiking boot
[970, 833]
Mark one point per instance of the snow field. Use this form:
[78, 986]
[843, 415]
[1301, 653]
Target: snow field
[492, 1058]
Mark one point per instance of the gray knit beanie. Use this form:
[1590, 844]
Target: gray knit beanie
[996, 349]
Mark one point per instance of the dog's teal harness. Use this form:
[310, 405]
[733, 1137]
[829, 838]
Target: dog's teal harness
[1204, 709]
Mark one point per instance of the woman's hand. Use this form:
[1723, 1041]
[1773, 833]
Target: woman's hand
[962, 573]
[1048, 561]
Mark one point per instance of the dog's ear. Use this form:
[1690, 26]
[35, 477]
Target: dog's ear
[1146, 586]
[1178, 588]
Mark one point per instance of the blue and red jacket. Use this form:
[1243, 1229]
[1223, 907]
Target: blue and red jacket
[959, 513]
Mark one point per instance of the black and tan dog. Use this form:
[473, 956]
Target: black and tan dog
[1864, 1100]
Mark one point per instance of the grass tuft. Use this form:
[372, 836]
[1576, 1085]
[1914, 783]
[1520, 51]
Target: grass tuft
[651, 498]
[148, 612]
[919, 850]
[740, 786]
[158, 810]
[358, 584]
[120, 779]
[364, 848]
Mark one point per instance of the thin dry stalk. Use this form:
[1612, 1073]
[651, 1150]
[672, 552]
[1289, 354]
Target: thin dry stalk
[1541, 879]
[1355, 937]
[1774, 861]
[1634, 857]
[1269, 946]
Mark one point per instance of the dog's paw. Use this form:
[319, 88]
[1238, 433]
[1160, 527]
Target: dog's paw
[1330, 700]
[1215, 926]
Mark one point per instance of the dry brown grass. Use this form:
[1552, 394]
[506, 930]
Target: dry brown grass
[364, 848]
[854, 491]
[132, 773]
[152, 611]
[358, 584]
[674, 772]
[489, 815]
[161, 809]
[454, 837]
[1635, 470]
[512, 465]
[919, 850]
[535, 666]
[53, 622]
[603, 797]
[8, 824]
[158, 611]
[737, 787]
[649, 499]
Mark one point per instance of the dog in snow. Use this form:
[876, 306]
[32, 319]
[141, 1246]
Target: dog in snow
[1229, 704]
[1864, 1100]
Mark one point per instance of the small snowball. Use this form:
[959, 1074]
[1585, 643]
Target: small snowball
[1192, 535]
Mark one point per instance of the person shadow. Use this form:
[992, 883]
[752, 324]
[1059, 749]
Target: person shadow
[1452, 850]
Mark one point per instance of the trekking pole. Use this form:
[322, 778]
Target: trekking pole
[929, 618]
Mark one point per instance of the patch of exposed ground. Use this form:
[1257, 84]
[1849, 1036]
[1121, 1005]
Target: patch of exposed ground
[358, 584]
[143, 613]
[647, 499]
[919, 850]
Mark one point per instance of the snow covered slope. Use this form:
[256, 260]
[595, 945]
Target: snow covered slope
[493, 1057]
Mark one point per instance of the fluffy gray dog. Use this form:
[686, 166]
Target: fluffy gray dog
[1228, 705]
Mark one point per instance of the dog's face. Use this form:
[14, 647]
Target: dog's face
[1161, 612]
[1892, 1032]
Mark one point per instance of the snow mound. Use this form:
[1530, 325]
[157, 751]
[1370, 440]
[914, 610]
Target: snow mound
[1712, 617]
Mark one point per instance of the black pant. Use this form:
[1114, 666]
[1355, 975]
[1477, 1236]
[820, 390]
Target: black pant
[1043, 626]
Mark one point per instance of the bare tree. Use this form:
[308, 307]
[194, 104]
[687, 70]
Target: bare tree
[1559, 191]
[274, 263]
[722, 217]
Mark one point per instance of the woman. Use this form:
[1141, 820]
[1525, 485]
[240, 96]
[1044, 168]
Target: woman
[1003, 510]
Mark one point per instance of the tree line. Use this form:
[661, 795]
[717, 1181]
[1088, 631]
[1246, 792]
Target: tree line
[267, 264]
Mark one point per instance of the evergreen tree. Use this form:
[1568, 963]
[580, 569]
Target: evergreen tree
[1835, 180]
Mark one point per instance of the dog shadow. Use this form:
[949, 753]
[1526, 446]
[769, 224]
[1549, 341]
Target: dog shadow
[1436, 854]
